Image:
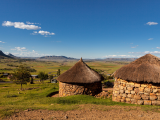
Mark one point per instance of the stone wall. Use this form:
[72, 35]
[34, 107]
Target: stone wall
[67, 89]
[136, 93]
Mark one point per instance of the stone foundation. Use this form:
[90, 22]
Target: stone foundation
[136, 93]
[67, 89]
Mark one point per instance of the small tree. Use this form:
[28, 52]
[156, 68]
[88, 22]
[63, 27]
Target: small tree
[50, 77]
[58, 72]
[42, 76]
[21, 75]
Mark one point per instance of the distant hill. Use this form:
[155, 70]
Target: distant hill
[11, 55]
[55, 58]
[120, 59]
[2, 55]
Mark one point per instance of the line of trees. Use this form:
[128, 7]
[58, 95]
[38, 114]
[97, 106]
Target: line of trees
[22, 75]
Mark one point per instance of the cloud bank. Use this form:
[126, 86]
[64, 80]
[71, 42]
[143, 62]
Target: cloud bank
[2, 42]
[41, 32]
[20, 25]
[151, 23]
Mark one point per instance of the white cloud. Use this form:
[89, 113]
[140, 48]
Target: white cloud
[31, 23]
[23, 52]
[6, 53]
[20, 25]
[19, 48]
[41, 32]
[45, 33]
[2, 42]
[134, 46]
[120, 56]
[145, 52]
[150, 39]
[158, 47]
[152, 23]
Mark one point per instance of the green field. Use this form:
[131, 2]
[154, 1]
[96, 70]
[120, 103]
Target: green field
[51, 67]
[34, 96]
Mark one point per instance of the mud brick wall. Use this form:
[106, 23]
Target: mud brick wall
[67, 89]
[136, 93]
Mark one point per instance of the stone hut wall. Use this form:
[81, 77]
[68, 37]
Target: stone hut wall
[67, 89]
[136, 93]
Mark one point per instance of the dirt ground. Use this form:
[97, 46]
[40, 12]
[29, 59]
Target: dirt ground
[89, 112]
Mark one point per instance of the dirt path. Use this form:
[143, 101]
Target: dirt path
[89, 112]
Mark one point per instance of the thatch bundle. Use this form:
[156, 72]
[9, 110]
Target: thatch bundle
[80, 73]
[144, 69]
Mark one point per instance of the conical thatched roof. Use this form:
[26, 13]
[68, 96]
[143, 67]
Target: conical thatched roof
[144, 69]
[80, 73]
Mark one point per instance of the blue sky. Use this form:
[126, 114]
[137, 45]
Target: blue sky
[80, 28]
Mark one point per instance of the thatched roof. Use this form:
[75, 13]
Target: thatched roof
[80, 73]
[144, 69]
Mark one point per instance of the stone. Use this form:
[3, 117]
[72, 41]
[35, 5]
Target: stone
[147, 102]
[123, 81]
[115, 95]
[141, 89]
[124, 95]
[146, 93]
[65, 117]
[158, 97]
[118, 100]
[130, 95]
[158, 102]
[129, 88]
[154, 102]
[153, 97]
[121, 91]
[157, 94]
[136, 90]
[119, 97]
[116, 92]
[141, 92]
[137, 97]
[123, 99]
[155, 90]
[140, 102]
[143, 85]
[145, 97]
[152, 94]
[158, 90]
[117, 89]
[130, 84]
[149, 86]
[125, 88]
[137, 85]
[121, 87]
[132, 92]
[148, 90]
[114, 98]
[154, 86]
[127, 91]
[128, 100]
[133, 101]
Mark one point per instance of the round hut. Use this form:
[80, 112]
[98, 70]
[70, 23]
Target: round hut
[138, 82]
[79, 79]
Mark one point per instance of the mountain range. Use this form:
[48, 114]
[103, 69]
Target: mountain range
[56, 58]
